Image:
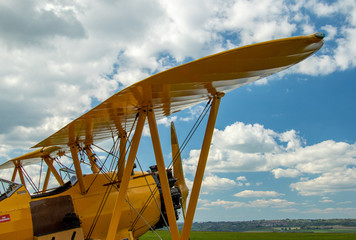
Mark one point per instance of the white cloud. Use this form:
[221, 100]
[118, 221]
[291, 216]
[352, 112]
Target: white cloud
[246, 138]
[337, 180]
[343, 56]
[166, 121]
[260, 194]
[29, 24]
[339, 211]
[252, 148]
[317, 158]
[274, 203]
[326, 200]
[322, 9]
[345, 53]
[146, 131]
[241, 178]
[241, 147]
[57, 58]
[214, 182]
[279, 172]
[269, 19]
[260, 203]
[331, 32]
[224, 204]
[193, 112]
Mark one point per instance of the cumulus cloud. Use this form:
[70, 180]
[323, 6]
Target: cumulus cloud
[214, 182]
[30, 24]
[337, 180]
[260, 203]
[246, 138]
[279, 172]
[58, 59]
[241, 178]
[343, 56]
[261, 194]
[245, 147]
[252, 148]
[166, 121]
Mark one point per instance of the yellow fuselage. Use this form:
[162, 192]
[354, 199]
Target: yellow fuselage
[16, 220]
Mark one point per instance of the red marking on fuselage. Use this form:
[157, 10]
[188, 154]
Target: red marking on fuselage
[5, 218]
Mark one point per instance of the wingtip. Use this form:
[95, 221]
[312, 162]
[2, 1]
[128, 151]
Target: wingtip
[319, 35]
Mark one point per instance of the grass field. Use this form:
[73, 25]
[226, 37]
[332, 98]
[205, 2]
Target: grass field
[255, 236]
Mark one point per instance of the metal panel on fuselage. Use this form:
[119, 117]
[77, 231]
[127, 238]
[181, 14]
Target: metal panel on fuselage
[20, 226]
[17, 223]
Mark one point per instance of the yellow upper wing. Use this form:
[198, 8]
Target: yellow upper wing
[186, 85]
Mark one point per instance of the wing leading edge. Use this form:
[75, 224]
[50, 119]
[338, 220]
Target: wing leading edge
[30, 158]
[184, 86]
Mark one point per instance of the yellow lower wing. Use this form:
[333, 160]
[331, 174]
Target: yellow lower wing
[184, 86]
[30, 158]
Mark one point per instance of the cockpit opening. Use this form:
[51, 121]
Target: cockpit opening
[7, 188]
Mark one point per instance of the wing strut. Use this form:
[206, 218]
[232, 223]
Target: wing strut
[163, 175]
[45, 184]
[115, 217]
[18, 166]
[122, 154]
[201, 167]
[49, 161]
[78, 170]
[14, 174]
[92, 159]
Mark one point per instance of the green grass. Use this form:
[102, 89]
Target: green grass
[255, 236]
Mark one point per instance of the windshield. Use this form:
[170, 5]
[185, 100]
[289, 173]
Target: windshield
[7, 188]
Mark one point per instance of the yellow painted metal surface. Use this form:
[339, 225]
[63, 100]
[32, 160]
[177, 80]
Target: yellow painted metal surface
[118, 209]
[78, 169]
[15, 216]
[186, 85]
[49, 162]
[17, 209]
[72, 234]
[199, 174]
[92, 159]
[166, 191]
[178, 169]
[164, 93]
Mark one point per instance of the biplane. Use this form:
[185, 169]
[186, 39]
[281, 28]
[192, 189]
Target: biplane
[118, 202]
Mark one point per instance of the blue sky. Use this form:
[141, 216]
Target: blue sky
[284, 147]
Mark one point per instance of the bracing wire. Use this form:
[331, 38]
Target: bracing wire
[61, 165]
[29, 179]
[152, 196]
[191, 132]
[115, 151]
[39, 180]
[109, 188]
[114, 156]
[100, 209]
[181, 148]
[143, 219]
[149, 199]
